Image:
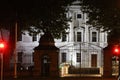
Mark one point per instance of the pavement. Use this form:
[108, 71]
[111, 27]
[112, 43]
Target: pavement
[61, 78]
[64, 77]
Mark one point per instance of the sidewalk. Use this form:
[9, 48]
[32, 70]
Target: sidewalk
[65, 77]
[61, 78]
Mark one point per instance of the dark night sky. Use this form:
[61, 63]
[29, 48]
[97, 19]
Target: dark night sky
[8, 8]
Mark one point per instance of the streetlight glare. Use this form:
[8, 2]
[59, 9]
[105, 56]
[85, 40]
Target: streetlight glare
[116, 50]
[2, 45]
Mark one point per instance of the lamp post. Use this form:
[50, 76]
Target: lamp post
[1, 66]
[2, 46]
[15, 53]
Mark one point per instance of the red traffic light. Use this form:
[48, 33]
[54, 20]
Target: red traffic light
[116, 50]
[2, 45]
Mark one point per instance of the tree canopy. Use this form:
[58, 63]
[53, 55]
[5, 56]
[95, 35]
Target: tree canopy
[43, 15]
[104, 14]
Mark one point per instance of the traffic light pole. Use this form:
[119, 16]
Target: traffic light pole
[119, 66]
[1, 66]
[15, 53]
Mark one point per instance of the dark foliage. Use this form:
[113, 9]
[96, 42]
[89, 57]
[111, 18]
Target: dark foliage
[104, 14]
[44, 15]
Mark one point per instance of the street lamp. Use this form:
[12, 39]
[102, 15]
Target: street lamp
[2, 47]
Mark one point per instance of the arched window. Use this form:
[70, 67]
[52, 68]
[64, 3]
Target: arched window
[34, 37]
[94, 36]
[64, 37]
[78, 56]
[79, 39]
[63, 57]
[19, 37]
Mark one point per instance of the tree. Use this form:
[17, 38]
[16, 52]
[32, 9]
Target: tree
[42, 15]
[104, 14]
[37, 15]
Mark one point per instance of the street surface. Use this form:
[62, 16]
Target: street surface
[65, 78]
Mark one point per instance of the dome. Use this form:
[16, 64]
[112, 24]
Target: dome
[47, 39]
[46, 43]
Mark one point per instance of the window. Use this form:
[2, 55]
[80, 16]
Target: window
[64, 37]
[94, 36]
[34, 38]
[63, 57]
[79, 16]
[78, 56]
[20, 57]
[19, 37]
[78, 36]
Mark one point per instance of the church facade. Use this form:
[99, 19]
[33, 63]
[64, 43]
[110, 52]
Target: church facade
[81, 47]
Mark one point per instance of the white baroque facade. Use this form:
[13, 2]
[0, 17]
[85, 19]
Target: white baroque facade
[81, 47]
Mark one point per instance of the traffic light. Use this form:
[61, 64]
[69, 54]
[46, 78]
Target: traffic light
[2, 46]
[116, 50]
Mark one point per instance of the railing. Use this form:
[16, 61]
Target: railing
[84, 71]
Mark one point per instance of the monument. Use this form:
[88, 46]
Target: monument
[45, 57]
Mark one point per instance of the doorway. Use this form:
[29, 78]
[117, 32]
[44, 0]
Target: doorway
[94, 60]
[45, 69]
